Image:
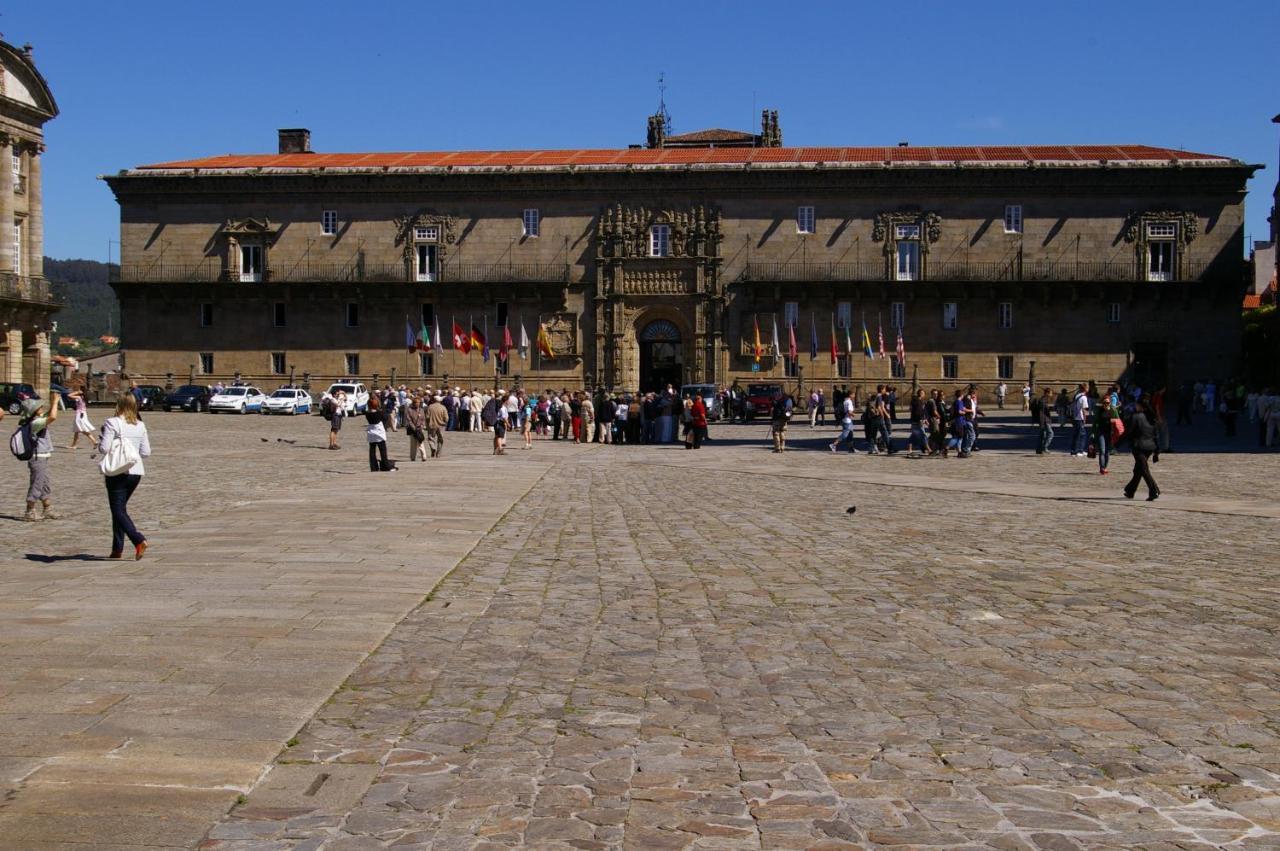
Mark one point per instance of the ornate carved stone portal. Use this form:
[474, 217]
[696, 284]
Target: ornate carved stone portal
[639, 267]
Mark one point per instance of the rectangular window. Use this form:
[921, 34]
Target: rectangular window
[1162, 230]
[897, 368]
[502, 313]
[353, 314]
[844, 366]
[426, 233]
[206, 363]
[660, 241]
[1113, 311]
[329, 222]
[1160, 260]
[250, 264]
[1006, 314]
[790, 366]
[17, 248]
[844, 314]
[17, 163]
[950, 366]
[897, 314]
[1013, 218]
[906, 232]
[804, 220]
[908, 268]
[532, 223]
[277, 363]
[352, 363]
[791, 313]
[950, 315]
[429, 318]
[425, 263]
[1004, 367]
[206, 315]
[427, 363]
[277, 314]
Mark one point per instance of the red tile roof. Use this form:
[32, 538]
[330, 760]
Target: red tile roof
[995, 154]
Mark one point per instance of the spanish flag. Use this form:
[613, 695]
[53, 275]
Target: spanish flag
[544, 341]
[759, 348]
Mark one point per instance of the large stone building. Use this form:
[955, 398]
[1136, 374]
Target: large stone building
[655, 264]
[26, 302]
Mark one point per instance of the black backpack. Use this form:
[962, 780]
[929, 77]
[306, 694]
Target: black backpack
[489, 414]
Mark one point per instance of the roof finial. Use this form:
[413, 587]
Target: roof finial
[662, 101]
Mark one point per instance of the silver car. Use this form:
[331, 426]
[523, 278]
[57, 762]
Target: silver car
[710, 397]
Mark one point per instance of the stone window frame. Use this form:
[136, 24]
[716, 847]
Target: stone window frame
[349, 360]
[885, 229]
[413, 229]
[206, 314]
[279, 367]
[348, 314]
[955, 316]
[329, 222]
[806, 220]
[897, 314]
[1004, 315]
[279, 314]
[1137, 232]
[660, 240]
[1002, 373]
[246, 231]
[1013, 218]
[1113, 312]
[206, 363]
[953, 362]
[531, 223]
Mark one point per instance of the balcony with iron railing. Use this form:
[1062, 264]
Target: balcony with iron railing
[24, 288]
[1014, 269]
[359, 272]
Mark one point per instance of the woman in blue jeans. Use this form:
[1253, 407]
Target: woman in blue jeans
[126, 425]
[1102, 418]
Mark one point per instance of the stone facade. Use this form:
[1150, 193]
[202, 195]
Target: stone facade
[231, 265]
[26, 303]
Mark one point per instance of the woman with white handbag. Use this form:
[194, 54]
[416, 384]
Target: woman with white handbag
[123, 446]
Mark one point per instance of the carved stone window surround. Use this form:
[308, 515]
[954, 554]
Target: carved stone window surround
[885, 229]
[1137, 231]
[407, 236]
[246, 231]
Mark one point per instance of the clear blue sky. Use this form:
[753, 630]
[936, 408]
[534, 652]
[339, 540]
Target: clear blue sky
[142, 82]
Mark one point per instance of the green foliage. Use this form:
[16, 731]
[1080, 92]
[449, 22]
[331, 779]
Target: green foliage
[91, 307]
[1261, 346]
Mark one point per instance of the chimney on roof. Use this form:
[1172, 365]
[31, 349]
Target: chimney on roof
[27, 48]
[904, 144]
[295, 141]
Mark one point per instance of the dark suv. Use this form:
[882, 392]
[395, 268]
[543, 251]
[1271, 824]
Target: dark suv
[153, 396]
[11, 396]
[188, 397]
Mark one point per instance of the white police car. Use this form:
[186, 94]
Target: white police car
[288, 400]
[240, 399]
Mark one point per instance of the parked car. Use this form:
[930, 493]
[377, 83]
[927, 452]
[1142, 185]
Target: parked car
[238, 399]
[188, 397]
[760, 399]
[288, 400]
[11, 396]
[357, 395]
[710, 398]
[152, 396]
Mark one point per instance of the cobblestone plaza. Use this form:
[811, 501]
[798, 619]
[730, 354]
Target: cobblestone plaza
[641, 647]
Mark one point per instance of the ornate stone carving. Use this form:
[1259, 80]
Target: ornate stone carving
[623, 231]
[250, 227]
[658, 281]
[1135, 229]
[562, 329]
[882, 229]
[425, 218]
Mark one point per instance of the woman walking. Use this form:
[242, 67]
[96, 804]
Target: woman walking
[337, 410]
[127, 426]
[1102, 427]
[82, 423]
[415, 425]
[375, 431]
[1141, 435]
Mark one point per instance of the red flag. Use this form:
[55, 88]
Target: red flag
[791, 343]
[461, 341]
[506, 343]
[902, 352]
[880, 333]
[835, 347]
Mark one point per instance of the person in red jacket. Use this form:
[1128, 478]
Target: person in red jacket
[699, 413]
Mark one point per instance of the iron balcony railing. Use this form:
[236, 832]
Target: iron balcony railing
[947, 270]
[343, 273]
[23, 288]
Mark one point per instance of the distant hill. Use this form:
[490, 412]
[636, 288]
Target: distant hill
[91, 309]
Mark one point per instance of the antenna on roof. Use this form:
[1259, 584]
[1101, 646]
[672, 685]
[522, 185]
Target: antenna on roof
[662, 101]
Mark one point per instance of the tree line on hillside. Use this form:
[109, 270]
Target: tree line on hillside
[91, 310]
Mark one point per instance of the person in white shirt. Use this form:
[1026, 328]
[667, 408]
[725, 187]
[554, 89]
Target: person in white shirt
[127, 426]
[477, 405]
[1001, 390]
[1026, 396]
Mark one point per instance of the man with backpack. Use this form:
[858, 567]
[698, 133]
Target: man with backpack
[780, 415]
[31, 443]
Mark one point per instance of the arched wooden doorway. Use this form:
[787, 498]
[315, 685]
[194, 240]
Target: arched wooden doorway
[661, 356]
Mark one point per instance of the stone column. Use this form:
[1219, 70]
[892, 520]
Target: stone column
[13, 355]
[43, 364]
[6, 205]
[35, 217]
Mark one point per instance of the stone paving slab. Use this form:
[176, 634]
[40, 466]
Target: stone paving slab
[139, 699]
